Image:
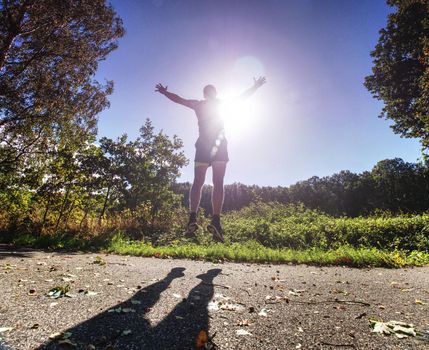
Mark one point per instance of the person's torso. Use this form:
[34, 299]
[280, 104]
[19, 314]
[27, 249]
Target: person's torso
[210, 122]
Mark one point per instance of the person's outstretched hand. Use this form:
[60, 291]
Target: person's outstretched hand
[160, 88]
[259, 82]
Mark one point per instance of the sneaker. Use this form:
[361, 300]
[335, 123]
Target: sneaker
[192, 226]
[191, 230]
[216, 230]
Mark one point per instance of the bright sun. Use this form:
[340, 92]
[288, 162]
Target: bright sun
[240, 116]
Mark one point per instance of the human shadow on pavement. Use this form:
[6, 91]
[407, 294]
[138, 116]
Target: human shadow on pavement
[132, 330]
[180, 328]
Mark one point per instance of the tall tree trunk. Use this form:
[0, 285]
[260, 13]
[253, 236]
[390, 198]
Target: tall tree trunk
[86, 210]
[104, 205]
[63, 206]
[66, 219]
[45, 214]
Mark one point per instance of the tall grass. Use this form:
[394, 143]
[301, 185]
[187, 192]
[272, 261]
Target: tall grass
[264, 232]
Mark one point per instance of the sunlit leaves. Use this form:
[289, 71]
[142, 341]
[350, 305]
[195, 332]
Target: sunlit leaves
[49, 52]
[400, 73]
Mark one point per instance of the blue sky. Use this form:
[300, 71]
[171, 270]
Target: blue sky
[313, 117]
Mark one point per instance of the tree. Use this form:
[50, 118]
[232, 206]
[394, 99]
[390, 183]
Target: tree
[138, 175]
[401, 69]
[49, 53]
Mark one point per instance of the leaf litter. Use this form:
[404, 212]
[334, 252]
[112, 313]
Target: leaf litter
[204, 341]
[242, 332]
[119, 310]
[5, 329]
[222, 302]
[398, 328]
[263, 313]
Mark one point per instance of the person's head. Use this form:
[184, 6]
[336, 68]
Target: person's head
[209, 92]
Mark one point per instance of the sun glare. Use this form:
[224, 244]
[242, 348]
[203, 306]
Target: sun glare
[240, 116]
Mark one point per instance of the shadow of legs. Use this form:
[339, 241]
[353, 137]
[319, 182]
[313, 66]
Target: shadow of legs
[107, 327]
[180, 328]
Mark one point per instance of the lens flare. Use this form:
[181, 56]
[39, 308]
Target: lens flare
[239, 116]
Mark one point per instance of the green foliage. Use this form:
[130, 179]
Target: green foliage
[276, 225]
[49, 53]
[273, 232]
[392, 185]
[400, 73]
[118, 185]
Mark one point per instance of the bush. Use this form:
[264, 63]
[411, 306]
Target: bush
[294, 226]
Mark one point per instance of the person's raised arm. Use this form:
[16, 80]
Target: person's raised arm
[257, 83]
[175, 98]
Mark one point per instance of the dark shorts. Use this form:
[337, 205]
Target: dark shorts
[207, 152]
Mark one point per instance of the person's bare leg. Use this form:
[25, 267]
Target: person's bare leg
[194, 198]
[217, 200]
[219, 169]
[195, 192]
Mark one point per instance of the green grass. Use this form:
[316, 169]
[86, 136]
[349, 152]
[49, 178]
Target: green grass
[250, 251]
[255, 252]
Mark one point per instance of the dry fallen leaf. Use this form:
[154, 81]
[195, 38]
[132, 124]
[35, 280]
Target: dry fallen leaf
[90, 293]
[230, 307]
[242, 332]
[127, 310]
[400, 329]
[5, 329]
[201, 339]
[263, 313]
[242, 323]
[56, 335]
[66, 343]
[126, 332]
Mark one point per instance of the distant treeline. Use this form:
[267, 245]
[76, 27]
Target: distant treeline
[392, 185]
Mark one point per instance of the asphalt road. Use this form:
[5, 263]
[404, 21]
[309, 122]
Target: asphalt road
[125, 302]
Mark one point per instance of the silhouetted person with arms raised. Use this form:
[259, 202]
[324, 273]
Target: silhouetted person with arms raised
[211, 150]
